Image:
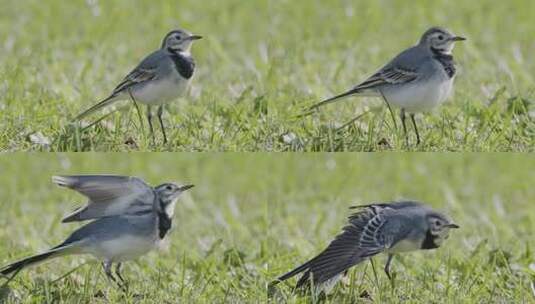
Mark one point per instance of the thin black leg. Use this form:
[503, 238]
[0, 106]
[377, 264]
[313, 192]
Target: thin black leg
[403, 119]
[387, 266]
[124, 285]
[415, 129]
[388, 274]
[118, 273]
[160, 113]
[107, 271]
[390, 110]
[149, 118]
[137, 107]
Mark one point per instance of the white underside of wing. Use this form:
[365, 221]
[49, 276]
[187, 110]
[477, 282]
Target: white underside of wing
[108, 195]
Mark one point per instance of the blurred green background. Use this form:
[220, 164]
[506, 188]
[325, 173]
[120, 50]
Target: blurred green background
[252, 217]
[260, 64]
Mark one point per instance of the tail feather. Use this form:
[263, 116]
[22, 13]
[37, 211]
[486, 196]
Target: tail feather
[293, 273]
[35, 259]
[307, 276]
[106, 102]
[335, 98]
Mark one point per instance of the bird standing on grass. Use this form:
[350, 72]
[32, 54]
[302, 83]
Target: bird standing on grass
[131, 219]
[161, 77]
[390, 227]
[417, 80]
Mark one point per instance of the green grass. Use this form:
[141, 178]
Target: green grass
[240, 227]
[261, 64]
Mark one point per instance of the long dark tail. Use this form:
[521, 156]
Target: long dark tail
[106, 102]
[335, 98]
[38, 258]
[293, 273]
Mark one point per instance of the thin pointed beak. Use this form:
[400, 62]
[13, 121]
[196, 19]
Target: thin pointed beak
[194, 37]
[453, 226]
[185, 187]
[458, 38]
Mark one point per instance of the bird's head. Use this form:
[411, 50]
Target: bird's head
[439, 227]
[440, 40]
[179, 40]
[168, 194]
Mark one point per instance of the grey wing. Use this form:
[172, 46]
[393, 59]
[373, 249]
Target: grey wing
[108, 195]
[356, 242]
[399, 225]
[388, 76]
[400, 70]
[145, 71]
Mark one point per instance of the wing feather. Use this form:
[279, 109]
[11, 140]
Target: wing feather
[372, 229]
[107, 195]
[349, 248]
[137, 76]
[388, 76]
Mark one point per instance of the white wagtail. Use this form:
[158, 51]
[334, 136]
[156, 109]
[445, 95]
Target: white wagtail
[390, 227]
[131, 218]
[161, 77]
[417, 80]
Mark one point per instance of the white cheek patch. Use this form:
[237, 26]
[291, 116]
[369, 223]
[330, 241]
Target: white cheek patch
[449, 48]
[445, 49]
[185, 47]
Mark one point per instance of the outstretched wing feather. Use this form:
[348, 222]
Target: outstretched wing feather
[108, 195]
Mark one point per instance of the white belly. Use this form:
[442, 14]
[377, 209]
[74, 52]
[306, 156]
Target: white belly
[123, 249]
[420, 97]
[161, 91]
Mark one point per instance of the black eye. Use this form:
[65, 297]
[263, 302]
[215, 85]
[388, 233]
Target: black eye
[440, 37]
[169, 188]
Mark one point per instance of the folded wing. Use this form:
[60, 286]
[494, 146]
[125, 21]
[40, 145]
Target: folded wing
[108, 195]
[388, 76]
[137, 76]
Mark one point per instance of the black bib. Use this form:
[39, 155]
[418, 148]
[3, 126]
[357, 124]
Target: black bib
[184, 65]
[446, 61]
[429, 241]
